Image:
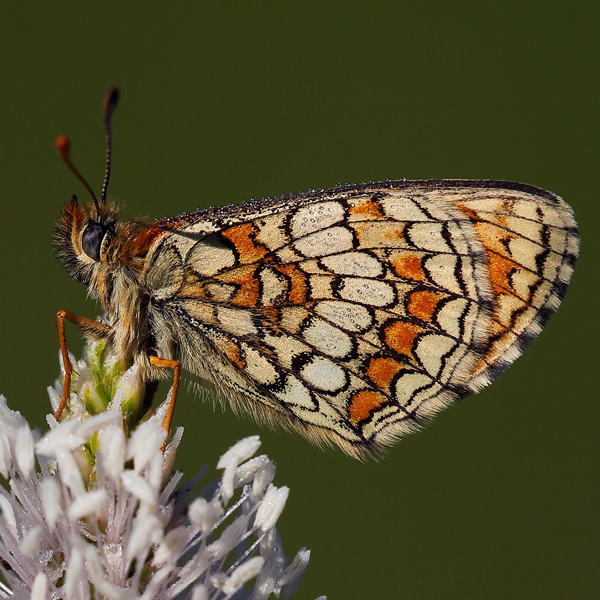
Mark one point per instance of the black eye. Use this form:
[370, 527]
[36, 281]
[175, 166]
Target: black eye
[91, 241]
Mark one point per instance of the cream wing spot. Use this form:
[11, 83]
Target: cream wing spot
[408, 384]
[403, 209]
[201, 311]
[367, 291]
[523, 281]
[553, 264]
[312, 267]
[558, 240]
[320, 286]
[328, 339]
[287, 254]
[359, 264]
[428, 236]
[286, 348]
[524, 252]
[351, 317]
[327, 241]
[271, 232]
[292, 318]
[188, 238]
[238, 322]
[221, 292]
[200, 227]
[295, 393]
[441, 269]
[259, 368]
[315, 217]
[210, 256]
[449, 316]
[430, 350]
[274, 286]
[324, 374]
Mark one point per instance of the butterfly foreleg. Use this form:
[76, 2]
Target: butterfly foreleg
[89, 326]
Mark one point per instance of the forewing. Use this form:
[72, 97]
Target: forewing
[355, 314]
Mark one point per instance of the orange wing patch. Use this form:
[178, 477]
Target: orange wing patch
[362, 403]
[243, 238]
[365, 208]
[376, 234]
[247, 285]
[232, 351]
[298, 283]
[501, 270]
[381, 371]
[422, 304]
[407, 265]
[400, 336]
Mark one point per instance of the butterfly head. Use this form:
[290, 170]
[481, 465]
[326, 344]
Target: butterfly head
[82, 237]
[83, 232]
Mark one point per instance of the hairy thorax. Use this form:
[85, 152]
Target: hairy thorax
[118, 282]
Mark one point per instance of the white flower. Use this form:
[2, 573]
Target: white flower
[93, 511]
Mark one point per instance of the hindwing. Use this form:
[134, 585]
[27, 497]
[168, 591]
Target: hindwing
[354, 314]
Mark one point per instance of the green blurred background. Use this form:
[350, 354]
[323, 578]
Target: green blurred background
[499, 497]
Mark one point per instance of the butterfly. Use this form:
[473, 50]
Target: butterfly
[351, 315]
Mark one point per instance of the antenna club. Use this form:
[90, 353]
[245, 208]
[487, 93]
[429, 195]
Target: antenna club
[111, 100]
[62, 145]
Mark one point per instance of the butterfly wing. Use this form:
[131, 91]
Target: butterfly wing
[353, 315]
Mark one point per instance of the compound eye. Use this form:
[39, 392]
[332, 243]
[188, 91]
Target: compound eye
[91, 241]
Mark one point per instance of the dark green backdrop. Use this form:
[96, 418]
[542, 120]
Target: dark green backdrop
[223, 101]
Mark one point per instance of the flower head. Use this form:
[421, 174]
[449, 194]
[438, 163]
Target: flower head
[94, 509]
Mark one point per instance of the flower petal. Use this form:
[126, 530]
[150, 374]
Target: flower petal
[76, 579]
[50, 497]
[88, 504]
[145, 530]
[246, 571]
[39, 588]
[24, 456]
[237, 454]
[271, 507]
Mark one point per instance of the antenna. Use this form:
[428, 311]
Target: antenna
[110, 103]
[63, 147]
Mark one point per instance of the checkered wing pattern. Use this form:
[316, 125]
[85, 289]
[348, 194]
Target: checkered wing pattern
[353, 315]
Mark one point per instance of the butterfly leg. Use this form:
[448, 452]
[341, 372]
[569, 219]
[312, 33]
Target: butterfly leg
[166, 363]
[88, 326]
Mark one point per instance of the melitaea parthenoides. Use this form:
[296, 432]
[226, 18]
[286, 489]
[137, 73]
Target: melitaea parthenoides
[351, 315]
